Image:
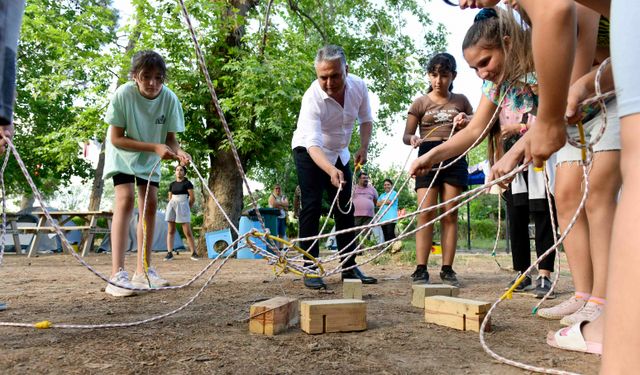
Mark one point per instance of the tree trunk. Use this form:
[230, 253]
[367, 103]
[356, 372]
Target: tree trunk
[224, 178]
[98, 183]
[226, 184]
[27, 201]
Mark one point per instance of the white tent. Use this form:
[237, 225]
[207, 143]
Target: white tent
[159, 235]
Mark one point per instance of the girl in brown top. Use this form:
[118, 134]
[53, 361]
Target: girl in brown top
[439, 113]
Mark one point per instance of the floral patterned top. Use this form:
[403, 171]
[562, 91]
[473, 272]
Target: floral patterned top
[519, 97]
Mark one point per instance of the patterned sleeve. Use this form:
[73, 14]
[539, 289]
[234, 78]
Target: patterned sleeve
[491, 91]
[520, 96]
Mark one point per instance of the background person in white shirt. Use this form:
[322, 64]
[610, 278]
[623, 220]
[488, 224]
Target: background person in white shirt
[320, 144]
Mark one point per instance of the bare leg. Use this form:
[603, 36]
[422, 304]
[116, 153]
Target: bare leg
[449, 237]
[186, 229]
[576, 244]
[149, 220]
[605, 181]
[171, 234]
[621, 334]
[122, 208]
[604, 185]
[424, 237]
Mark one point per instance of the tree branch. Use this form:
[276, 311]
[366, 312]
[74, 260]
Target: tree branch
[294, 7]
[266, 27]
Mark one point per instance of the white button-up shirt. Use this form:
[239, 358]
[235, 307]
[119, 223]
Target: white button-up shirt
[326, 124]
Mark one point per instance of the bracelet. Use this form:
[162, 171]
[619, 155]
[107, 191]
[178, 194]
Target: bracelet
[523, 129]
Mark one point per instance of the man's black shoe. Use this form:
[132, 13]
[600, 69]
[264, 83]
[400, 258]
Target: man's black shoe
[355, 273]
[314, 283]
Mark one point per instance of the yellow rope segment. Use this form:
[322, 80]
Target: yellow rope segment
[45, 324]
[509, 293]
[283, 264]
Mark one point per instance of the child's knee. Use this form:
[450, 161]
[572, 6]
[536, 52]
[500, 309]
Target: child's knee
[124, 204]
[451, 218]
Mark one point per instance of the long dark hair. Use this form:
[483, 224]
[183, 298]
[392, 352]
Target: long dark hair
[442, 63]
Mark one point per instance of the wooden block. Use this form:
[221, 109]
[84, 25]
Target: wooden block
[273, 316]
[352, 289]
[426, 290]
[460, 313]
[338, 315]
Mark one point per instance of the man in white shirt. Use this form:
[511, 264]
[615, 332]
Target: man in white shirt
[320, 146]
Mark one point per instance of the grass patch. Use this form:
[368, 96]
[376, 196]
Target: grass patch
[408, 253]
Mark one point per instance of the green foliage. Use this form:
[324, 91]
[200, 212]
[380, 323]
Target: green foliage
[292, 228]
[68, 60]
[483, 207]
[480, 229]
[330, 223]
[62, 76]
[377, 49]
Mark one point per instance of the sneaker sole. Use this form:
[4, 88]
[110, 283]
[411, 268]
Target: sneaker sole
[316, 287]
[145, 285]
[549, 317]
[118, 292]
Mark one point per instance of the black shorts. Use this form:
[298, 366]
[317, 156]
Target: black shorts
[123, 178]
[456, 175]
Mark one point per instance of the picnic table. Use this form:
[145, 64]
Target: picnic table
[88, 230]
[12, 220]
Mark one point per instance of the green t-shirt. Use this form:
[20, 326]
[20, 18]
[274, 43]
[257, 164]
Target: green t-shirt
[145, 120]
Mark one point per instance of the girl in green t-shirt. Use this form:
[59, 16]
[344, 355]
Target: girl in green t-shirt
[144, 116]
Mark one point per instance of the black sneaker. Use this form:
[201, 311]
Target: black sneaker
[524, 286]
[169, 256]
[543, 287]
[420, 276]
[314, 283]
[194, 256]
[449, 277]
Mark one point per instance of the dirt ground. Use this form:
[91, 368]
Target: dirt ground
[211, 336]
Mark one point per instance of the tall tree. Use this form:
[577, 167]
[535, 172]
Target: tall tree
[261, 64]
[61, 80]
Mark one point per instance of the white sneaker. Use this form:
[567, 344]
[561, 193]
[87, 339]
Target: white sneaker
[563, 309]
[588, 313]
[154, 281]
[121, 278]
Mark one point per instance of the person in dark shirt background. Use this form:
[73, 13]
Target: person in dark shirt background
[181, 199]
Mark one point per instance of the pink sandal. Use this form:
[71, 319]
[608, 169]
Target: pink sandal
[570, 338]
